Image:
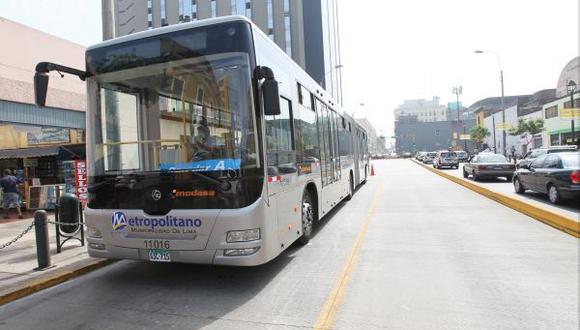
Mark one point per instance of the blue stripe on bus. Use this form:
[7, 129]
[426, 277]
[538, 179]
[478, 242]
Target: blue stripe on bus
[203, 165]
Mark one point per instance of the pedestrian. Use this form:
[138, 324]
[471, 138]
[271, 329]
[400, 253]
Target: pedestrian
[513, 153]
[9, 183]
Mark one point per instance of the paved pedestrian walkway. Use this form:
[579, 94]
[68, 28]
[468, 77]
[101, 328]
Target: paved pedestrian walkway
[18, 261]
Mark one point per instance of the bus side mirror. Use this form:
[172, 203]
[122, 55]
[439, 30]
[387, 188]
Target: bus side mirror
[271, 97]
[40, 88]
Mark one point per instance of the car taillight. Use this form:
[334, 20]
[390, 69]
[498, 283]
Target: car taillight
[575, 177]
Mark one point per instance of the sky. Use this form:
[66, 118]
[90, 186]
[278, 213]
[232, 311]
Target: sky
[393, 50]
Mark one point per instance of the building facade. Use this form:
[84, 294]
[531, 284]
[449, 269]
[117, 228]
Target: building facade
[35, 142]
[424, 110]
[558, 124]
[412, 135]
[307, 30]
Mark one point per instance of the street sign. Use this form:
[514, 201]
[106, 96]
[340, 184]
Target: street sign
[503, 126]
[570, 113]
[465, 137]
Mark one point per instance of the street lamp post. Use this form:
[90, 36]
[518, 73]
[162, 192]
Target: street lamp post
[571, 87]
[502, 97]
[336, 67]
[458, 90]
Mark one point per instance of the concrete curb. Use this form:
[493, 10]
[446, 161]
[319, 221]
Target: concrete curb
[550, 218]
[52, 279]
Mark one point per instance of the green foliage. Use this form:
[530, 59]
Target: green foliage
[530, 126]
[478, 134]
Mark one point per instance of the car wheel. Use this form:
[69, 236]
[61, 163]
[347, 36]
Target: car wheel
[518, 186]
[465, 174]
[308, 217]
[554, 194]
[476, 177]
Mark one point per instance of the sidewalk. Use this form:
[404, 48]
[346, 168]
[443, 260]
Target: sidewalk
[17, 261]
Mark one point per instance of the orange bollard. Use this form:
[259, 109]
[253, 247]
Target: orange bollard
[372, 169]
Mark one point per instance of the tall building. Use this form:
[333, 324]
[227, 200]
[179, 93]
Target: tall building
[423, 110]
[307, 30]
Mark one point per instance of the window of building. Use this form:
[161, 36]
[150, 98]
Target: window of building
[270, 20]
[551, 112]
[149, 14]
[185, 10]
[567, 105]
[213, 8]
[193, 10]
[287, 28]
[249, 9]
[163, 6]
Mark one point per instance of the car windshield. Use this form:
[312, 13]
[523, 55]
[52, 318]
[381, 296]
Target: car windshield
[491, 158]
[571, 160]
[448, 154]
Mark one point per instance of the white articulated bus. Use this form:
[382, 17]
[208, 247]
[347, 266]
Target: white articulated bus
[207, 144]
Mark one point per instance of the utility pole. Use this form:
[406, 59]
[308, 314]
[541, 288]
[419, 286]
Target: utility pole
[458, 90]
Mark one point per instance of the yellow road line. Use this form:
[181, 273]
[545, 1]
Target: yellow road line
[328, 313]
[560, 222]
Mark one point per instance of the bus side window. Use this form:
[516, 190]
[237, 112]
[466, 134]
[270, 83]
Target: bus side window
[280, 152]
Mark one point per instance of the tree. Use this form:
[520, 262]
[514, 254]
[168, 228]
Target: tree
[527, 129]
[478, 135]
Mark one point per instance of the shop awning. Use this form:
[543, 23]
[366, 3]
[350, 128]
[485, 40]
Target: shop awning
[29, 152]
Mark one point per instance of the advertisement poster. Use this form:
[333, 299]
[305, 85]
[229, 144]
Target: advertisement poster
[81, 185]
[48, 135]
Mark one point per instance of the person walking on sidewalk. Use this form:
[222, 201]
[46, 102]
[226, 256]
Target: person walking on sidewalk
[8, 183]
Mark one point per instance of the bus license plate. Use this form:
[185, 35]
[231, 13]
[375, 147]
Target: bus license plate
[159, 256]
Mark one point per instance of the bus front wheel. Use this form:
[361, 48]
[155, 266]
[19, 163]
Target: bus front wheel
[308, 217]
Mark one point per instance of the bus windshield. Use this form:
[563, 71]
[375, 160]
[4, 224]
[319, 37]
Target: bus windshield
[180, 101]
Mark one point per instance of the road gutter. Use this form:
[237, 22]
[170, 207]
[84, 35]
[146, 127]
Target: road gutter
[567, 225]
[51, 279]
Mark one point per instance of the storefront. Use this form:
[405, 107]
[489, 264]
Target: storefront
[40, 145]
[44, 172]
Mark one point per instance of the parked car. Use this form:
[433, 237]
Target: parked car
[445, 158]
[487, 164]
[462, 156]
[428, 158]
[555, 174]
[535, 153]
[419, 156]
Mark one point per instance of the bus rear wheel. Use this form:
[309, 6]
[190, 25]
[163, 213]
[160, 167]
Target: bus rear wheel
[308, 217]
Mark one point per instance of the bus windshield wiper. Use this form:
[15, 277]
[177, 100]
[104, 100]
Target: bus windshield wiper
[221, 183]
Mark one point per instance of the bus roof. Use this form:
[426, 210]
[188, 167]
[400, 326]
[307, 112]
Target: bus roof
[169, 29]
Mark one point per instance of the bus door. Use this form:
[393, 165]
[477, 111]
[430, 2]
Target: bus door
[282, 170]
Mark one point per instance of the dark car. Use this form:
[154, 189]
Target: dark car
[556, 174]
[535, 153]
[428, 158]
[462, 156]
[445, 159]
[489, 165]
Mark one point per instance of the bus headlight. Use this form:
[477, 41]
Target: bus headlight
[94, 232]
[248, 235]
[97, 246]
[240, 252]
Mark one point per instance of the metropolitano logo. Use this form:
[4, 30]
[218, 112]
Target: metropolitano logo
[119, 221]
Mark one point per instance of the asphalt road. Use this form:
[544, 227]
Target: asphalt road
[412, 250]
